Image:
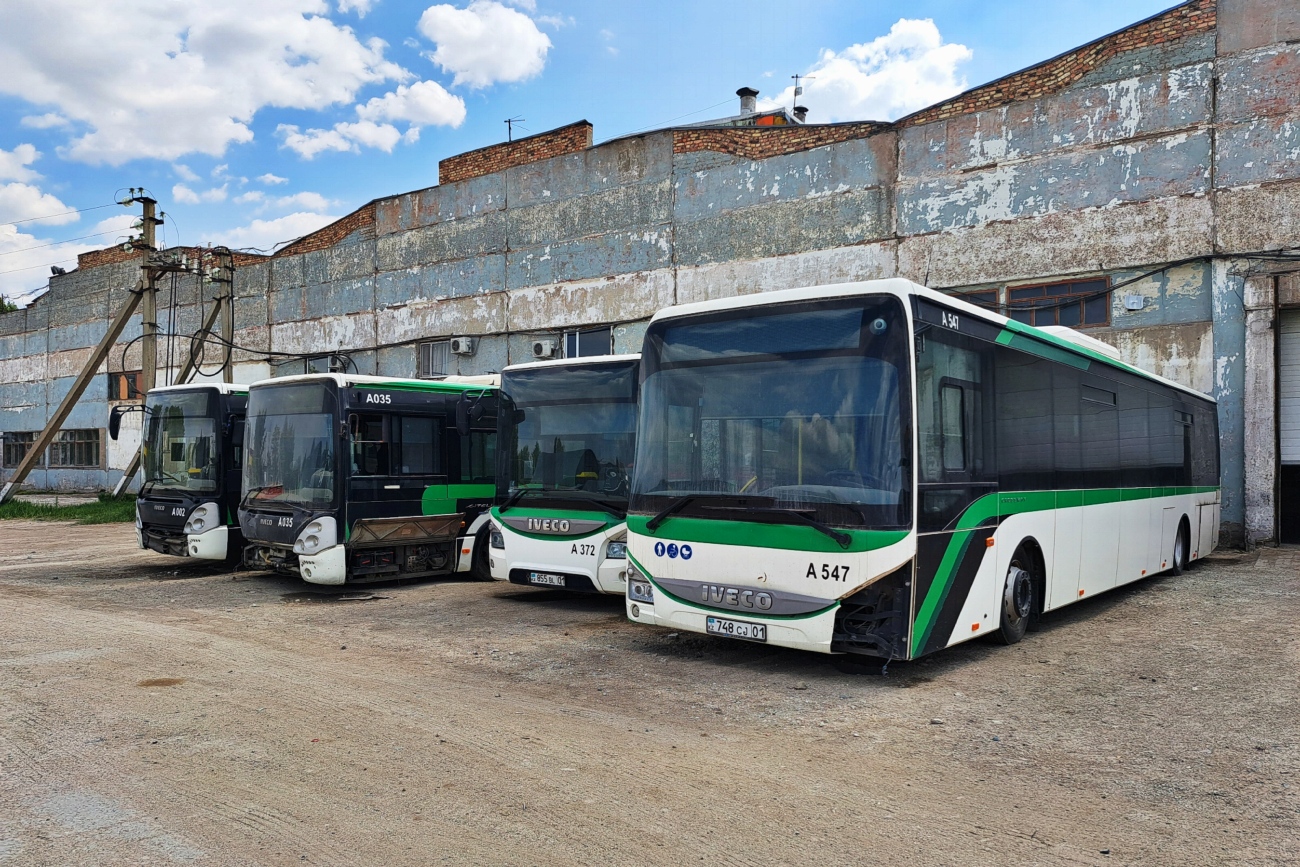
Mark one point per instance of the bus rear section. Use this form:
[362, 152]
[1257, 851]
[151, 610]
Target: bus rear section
[190, 458]
[358, 478]
[568, 443]
[878, 469]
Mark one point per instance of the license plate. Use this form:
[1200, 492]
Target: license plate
[546, 578]
[736, 629]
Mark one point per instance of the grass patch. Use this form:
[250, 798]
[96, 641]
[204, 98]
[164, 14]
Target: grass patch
[106, 510]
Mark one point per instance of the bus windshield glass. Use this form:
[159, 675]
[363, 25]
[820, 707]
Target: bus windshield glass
[180, 445]
[574, 435]
[290, 436]
[799, 407]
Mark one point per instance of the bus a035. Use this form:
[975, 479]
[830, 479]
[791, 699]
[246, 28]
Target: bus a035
[568, 440]
[363, 478]
[880, 469]
[191, 445]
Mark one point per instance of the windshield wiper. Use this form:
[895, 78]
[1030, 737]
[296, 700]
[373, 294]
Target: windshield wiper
[843, 539]
[513, 499]
[673, 508]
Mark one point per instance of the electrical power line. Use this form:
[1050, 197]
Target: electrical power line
[62, 214]
[33, 267]
[57, 243]
[671, 119]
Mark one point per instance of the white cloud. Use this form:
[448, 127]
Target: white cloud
[22, 202]
[530, 5]
[425, 103]
[269, 234]
[186, 76]
[250, 196]
[25, 257]
[314, 141]
[13, 164]
[270, 179]
[185, 173]
[44, 121]
[186, 196]
[485, 42]
[361, 7]
[907, 69]
[310, 201]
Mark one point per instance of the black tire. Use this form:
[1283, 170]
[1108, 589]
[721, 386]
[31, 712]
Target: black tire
[1179, 556]
[479, 569]
[1019, 598]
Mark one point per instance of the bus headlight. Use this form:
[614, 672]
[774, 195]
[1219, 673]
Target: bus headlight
[497, 540]
[319, 534]
[639, 588]
[206, 517]
[616, 551]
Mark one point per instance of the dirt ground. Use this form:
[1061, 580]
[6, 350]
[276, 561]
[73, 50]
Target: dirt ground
[158, 711]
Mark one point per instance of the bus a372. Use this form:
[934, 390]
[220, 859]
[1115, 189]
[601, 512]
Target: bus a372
[567, 444]
[191, 443]
[880, 469]
[364, 478]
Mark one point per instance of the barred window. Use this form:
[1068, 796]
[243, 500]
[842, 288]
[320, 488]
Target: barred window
[433, 359]
[16, 444]
[1081, 303]
[126, 385]
[75, 448]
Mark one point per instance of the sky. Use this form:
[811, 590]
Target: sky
[254, 122]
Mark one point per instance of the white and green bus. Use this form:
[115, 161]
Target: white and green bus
[880, 469]
[568, 437]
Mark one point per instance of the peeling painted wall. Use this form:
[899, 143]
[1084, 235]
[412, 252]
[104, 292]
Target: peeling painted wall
[1161, 154]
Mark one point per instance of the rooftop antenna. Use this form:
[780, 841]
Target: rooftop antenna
[510, 126]
[798, 88]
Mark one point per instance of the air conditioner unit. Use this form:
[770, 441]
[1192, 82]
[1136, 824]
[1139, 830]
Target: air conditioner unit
[462, 345]
[544, 349]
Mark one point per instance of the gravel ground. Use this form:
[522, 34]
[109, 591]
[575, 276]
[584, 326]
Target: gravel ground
[157, 711]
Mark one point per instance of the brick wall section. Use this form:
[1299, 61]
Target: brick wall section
[499, 157]
[1053, 76]
[359, 220]
[106, 256]
[758, 143]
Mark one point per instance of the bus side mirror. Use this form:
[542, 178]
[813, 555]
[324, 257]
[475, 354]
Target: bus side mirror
[115, 422]
[235, 428]
[462, 416]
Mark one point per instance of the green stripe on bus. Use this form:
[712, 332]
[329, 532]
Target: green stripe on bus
[434, 386]
[790, 537]
[730, 612]
[607, 520]
[1015, 503]
[443, 499]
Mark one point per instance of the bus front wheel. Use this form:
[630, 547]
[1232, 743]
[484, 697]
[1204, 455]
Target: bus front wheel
[480, 569]
[1179, 566]
[1017, 599]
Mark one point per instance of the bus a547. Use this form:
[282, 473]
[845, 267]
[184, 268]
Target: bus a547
[880, 469]
[567, 445]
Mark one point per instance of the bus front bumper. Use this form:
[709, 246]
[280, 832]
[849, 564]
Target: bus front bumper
[210, 545]
[328, 567]
[812, 632]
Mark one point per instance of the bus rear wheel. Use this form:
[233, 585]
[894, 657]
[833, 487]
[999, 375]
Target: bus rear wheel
[1017, 599]
[1179, 565]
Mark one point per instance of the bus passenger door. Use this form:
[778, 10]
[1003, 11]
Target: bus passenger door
[957, 483]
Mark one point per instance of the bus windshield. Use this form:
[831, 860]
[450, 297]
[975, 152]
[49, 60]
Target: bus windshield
[792, 408]
[574, 435]
[180, 444]
[290, 435]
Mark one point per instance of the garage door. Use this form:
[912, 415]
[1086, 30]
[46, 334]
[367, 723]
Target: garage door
[1288, 392]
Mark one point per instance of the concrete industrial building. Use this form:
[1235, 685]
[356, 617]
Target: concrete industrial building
[1147, 184]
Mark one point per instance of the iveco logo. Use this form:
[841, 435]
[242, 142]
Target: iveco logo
[548, 525]
[735, 597]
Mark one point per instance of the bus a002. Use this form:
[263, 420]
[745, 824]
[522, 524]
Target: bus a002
[567, 444]
[881, 469]
[191, 443]
[363, 478]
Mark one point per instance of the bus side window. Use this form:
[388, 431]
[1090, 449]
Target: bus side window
[369, 447]
[478, 457]
[420, 445]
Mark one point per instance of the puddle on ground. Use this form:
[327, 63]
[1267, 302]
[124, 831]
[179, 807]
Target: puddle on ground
[162, 681]
[309, 596]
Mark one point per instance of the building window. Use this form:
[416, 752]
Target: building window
[1081, 303]
[126, 385]
[593, 341]
[986, 298]
[16, 444]
[433, 359]
[75, 448]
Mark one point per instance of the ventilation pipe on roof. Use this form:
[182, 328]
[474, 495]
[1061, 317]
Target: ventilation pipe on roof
[748, 100]
[801, 113]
